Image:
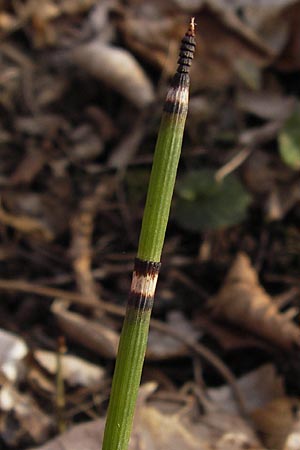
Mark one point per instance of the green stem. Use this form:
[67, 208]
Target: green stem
[133, 340]
[161, 186]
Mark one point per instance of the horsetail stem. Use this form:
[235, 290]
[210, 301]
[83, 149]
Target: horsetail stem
[134, 335]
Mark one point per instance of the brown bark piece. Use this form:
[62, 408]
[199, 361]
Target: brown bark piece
[244, 302]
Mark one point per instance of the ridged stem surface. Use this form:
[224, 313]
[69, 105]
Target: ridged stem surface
[161, 186]
[134, 335]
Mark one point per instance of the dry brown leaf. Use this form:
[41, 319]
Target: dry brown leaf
[117, 68]
[256, 392]
[275, 421]
[75, 371]
[267, 18]
[157, 431]
[244, 302]
[41, 17]
[289, 59]
[242, 52]
[89, 333]
[259, 135]
[162, 347]
[7, 22]
[212, 67]
[29, 167]
[76, 6]
[228, 338]
[40, 383]
[104, 341]
[152, 38]
[264, 174]
[253, 35]
[260, 173]
[266, 105]
[281, 200]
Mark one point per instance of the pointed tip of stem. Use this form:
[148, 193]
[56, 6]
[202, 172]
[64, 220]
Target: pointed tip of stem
[186, 55]
[192, 27]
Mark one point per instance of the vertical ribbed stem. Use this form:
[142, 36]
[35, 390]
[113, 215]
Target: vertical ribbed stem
[133, 340]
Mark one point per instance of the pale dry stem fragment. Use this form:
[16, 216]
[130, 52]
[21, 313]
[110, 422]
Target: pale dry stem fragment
[192, 26]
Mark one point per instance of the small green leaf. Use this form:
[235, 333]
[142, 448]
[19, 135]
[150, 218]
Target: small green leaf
[203, 203]
[289, 140]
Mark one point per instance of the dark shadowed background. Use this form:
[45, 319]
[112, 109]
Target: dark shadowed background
[82, 83]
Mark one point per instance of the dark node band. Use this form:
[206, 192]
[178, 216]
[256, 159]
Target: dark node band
[140, 302]
[143, 268]
[175, 107]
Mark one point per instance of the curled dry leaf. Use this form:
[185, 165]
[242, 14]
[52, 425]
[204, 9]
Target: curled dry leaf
[244, 302]
[75, 371]
[117, 68]
[256, 392]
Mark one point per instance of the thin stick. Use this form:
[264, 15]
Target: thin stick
[133, 340]
[233, 164]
